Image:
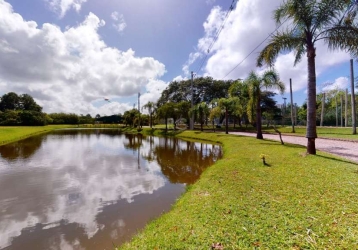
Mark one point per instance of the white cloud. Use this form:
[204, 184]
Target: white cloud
[247, 26]
[119, 22]
[62, 6]
[340, 83]
[68, 71]
[154, 90]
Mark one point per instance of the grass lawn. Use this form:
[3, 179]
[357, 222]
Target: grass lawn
[10, 134]
[299, 201]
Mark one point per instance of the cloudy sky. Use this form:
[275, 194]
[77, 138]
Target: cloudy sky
[71, 54]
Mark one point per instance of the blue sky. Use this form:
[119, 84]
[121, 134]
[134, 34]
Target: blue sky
[70, 54]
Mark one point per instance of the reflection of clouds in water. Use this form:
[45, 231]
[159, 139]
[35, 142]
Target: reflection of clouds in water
[63, 244]
[74, 184]
[119, 226]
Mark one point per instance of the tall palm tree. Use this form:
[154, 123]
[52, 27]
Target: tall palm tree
[150, 106]
[333, 21]
[269, 80]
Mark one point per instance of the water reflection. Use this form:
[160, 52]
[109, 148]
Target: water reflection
[87, 189]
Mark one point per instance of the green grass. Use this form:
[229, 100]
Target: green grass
[11, 134]
[298, 202]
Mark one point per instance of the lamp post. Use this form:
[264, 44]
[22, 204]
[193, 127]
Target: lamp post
[192, 102]
[284, 110]
[139, 109]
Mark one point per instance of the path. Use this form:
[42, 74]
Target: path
[345, 149]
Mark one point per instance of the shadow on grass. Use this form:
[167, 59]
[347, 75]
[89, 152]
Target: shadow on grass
[337, 159]
[285, 145]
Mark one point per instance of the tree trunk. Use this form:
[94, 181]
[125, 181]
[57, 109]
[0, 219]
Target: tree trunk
[258, 116]
[292, 115]
[226, 121]
[346, 109]
[322, 109]
[354, 131]
[311, 132]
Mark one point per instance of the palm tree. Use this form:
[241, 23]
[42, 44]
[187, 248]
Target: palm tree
[268, 80]
[333, 21]
[150, 106]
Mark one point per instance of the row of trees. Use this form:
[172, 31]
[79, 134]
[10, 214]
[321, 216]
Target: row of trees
[21, 110]
[215, 102]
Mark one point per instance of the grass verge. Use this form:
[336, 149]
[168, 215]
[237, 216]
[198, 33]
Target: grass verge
[11, 134]
[297, 201]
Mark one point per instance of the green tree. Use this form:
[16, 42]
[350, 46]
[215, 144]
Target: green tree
[150, 106]
[26, 102]
[201, 112]
[269, 80]
[240, 90]
[333, 21]
[10, 101]
[226, 104]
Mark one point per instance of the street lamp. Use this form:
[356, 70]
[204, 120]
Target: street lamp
[192, 102]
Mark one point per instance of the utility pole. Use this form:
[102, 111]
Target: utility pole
[139, 109]
[353, 101]
[341, 110]
[336, 111]
[322, 110]
[284, 111]
[192, 102]
[296, 111]
[292, 119]
[346, 109]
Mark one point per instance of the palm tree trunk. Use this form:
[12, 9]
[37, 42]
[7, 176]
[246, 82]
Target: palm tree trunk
[226, 121]
[311, 133]
[258, 116]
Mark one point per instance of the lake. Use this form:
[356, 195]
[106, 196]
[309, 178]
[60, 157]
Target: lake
[91, 189]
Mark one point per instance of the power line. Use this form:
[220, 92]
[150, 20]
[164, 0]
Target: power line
[217, 34]
[254, 50]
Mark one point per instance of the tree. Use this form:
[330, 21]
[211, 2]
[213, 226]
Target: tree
[10, 101]
[268, 80]
[240, 89]
[226, 105]
[333, 21]
[26, 102]
[201, 112]
[150, 106]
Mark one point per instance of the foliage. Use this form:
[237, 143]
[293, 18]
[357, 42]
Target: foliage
[256, 83]
[109, 119]
[201, 112]
[63, 118]
[130, 117]
[20, 110]
[205, 89]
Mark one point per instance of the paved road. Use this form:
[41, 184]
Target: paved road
[345, 149]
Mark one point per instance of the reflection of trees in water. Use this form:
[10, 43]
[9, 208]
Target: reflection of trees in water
[27, 147]
[185, 164]
[87, 132]
[21, 149]
[134, 141]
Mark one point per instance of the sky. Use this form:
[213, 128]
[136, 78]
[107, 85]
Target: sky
[71, 54]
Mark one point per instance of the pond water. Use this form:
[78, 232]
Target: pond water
[91, 189]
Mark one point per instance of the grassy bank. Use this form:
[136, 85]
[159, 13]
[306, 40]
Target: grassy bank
[297, 202]
[11, 134]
